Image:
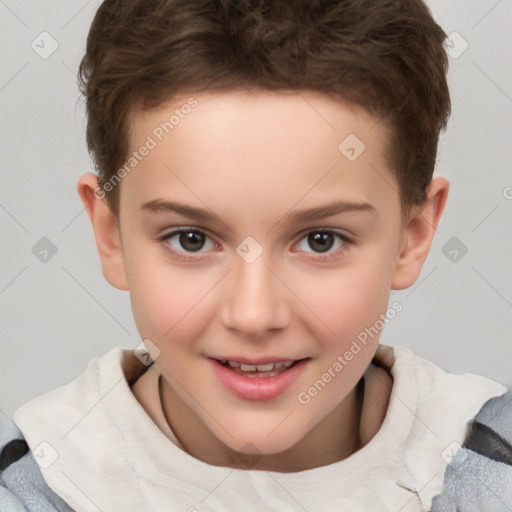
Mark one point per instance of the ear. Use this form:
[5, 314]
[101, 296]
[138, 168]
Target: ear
[106, 231]
[418, 234]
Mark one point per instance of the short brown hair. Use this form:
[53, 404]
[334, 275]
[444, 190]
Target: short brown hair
[387, 56]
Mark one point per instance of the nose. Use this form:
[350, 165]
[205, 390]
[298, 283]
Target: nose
[256, 300]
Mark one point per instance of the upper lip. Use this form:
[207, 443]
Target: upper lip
[260, 360]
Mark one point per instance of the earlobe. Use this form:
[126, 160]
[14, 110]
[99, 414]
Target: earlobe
[418, 235]
[106, 231]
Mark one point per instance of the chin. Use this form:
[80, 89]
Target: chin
[259, 443]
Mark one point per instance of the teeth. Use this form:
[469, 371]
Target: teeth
[247, 367]
[265, 367]
[258, 367]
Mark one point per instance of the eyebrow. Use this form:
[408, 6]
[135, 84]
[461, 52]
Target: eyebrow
[159, 206]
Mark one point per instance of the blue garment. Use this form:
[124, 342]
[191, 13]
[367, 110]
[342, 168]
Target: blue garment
[22, 486]
[478, 478]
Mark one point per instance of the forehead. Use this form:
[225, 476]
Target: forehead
[264, 147]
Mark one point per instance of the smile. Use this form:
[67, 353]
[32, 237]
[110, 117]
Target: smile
[263, 381]
[258, 370]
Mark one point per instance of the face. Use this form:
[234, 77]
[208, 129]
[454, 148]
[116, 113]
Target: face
[249, 235]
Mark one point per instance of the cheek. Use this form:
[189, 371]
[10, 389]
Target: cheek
[166, 298]
[346, 300]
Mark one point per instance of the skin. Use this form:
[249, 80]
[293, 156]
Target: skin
[253, 160]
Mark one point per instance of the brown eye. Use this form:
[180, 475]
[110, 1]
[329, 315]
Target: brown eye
[324, 241]
[184, 241]
[191, 240]
[321, 241]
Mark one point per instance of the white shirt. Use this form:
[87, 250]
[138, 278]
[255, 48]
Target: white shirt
[101, 451]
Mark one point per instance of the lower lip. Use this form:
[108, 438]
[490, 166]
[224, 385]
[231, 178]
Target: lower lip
[257, 388]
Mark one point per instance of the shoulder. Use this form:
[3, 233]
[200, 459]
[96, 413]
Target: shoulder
[53, 413]
[433, 394]
[440, 391]
[73, 422]
[479, 476]
[430, 410]
[21, 481]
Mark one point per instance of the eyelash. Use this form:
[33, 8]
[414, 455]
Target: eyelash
[187, 257]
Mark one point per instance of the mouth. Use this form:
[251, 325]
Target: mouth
[258, 370]
[257, 380]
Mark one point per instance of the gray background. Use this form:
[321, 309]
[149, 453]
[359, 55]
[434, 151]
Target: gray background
[58, 315]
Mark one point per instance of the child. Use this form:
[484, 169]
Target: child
[293, 143]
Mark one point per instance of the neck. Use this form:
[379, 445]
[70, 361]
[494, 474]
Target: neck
[335, 438]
